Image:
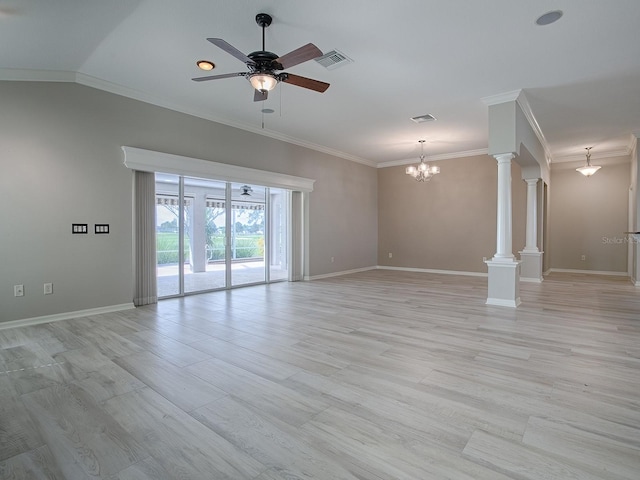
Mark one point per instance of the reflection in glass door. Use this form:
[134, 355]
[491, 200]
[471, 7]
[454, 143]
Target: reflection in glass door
[205, 223]
[247, 234]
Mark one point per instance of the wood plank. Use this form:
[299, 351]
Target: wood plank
[605, 455]
[272, 446]
[183, 447]
[171, 350]
[270, 397]
[36, 464]
[82, 437]
[17, 432]
[518, 461]
[176, 384]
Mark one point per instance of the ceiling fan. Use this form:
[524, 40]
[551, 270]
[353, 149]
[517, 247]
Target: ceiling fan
[263, 66]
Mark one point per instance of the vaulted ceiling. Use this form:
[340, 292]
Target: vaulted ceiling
[580, 75]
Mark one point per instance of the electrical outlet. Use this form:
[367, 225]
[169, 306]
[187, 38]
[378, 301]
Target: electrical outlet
[390, 255]
[583, 258]
[332, 259]
[18, 290]
[48, 288]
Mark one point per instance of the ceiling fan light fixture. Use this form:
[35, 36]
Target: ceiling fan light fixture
[588, 169]
[263, 82]
[205, 65]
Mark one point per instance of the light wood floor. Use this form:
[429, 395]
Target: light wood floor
[378, 375]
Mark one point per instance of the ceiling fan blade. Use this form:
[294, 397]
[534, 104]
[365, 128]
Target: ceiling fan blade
[216, 77]
[260, 95]
[299, 55]
[230, 49]
[305, 82]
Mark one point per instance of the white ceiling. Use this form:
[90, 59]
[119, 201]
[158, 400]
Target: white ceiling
[581, 75]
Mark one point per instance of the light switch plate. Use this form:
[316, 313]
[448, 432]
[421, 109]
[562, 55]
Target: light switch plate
[101, 228]
[82, 228]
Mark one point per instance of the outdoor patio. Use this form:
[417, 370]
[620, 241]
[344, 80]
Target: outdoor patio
[242, 272]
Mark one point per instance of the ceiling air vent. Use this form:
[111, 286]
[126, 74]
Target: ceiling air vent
[333, 60]
[423, 118]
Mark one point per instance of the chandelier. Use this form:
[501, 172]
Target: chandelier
[588, 169]
[423, 171]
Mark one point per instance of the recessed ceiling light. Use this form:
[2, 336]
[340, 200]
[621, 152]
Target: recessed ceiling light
[205, 65]
[267, 110]
[549, 17]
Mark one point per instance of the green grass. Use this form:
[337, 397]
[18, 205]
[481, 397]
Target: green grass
[247, 246]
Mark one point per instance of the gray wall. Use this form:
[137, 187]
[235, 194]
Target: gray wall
[588, 217]
[61, 163]
[448, 223]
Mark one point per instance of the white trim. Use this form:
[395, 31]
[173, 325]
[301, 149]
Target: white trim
[531, 279]
[499, 98]
[94, 82]
[535, 126]
[435, 158]
[594, 156]
[430, 270]
[499, 302]
[150, 161]
[591, 272]
[337, 274]
[25, 322]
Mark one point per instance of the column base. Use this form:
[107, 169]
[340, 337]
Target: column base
[504, 283]
[531, 266]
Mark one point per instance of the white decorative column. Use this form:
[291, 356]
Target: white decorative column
[531, 256]
[504, 269]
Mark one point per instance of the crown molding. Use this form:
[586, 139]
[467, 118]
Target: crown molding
[624, 152]
[499, 98]
[535, 126]
[436, 158]
[100, 84]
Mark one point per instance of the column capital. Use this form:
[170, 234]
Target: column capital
[532, 181]
[504, 157]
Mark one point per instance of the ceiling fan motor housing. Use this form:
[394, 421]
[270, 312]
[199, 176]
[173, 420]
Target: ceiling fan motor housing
[263, 19]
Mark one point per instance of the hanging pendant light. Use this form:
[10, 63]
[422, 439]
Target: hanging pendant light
[423, 171]
[588, 169]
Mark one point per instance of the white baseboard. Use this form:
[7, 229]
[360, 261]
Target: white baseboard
[25, 322]
[531, 280]
[589, 272]
[499, 302]
[429, 270]
[338, 274]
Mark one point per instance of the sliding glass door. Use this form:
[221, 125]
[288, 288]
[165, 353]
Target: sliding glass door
[214, 235]
[247, 234]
